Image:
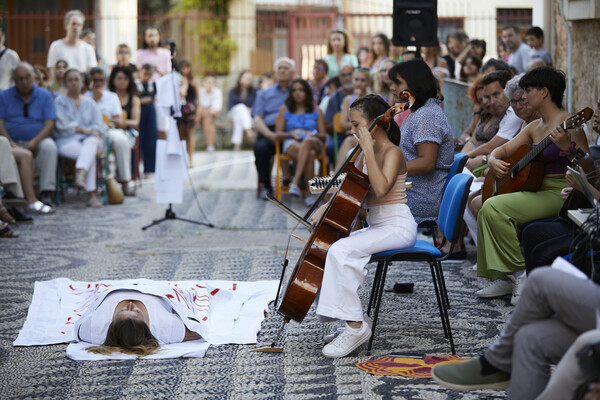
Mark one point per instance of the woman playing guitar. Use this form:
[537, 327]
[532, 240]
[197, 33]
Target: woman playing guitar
[391, 225]
[499, 256]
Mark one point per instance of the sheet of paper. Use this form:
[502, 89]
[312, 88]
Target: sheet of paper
[565, 266]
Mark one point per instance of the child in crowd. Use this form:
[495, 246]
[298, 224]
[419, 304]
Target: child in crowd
[211, 102]
[148, 131]
[538, 56]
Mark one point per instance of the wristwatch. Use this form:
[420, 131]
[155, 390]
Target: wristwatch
[484, 160]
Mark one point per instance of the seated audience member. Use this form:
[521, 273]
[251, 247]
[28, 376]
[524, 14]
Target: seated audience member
[331, 86]
[79, 132]
[148, 129]
[77, 53]
[109, 106]
[191, 113]
[534, 37]
[493, 64]
[27, 117]
[317, 83]
[380, 52]
[40, 76]
[10, 181]
[239, 106]
[122, 83]
[305, 128]
[339, 52]
[555, 309]
[124, 59]
[469, 70]
[57, 85]
[361, 79]
[426, 138]
[334, 106]
[211, 103]
[124, 316]
[382, 82]
[498, 105]
[265, 111]
[499, 256]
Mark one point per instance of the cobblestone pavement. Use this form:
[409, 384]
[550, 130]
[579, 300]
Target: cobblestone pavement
[247, 243]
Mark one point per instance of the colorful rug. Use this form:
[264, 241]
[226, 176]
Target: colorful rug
[405, 366]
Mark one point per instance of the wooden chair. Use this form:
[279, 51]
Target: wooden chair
[280, 188]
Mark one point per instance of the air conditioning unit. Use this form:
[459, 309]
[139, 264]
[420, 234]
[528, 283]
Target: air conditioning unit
[582, 9]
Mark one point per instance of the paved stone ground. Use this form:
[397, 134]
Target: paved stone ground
[248, 243]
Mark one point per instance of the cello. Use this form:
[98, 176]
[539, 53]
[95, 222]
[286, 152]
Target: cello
[337, 222]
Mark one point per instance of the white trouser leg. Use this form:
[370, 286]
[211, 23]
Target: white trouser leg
[471, 223]
[84, 152]
[241, 121]
[390, 227]
[120, 145]
[46, 158]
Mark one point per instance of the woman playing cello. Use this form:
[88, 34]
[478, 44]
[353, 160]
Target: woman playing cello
[391, 225]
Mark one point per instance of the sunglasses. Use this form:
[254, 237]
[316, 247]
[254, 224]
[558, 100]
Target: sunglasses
[26, 110]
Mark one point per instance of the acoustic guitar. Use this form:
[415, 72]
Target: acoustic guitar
[526, 165]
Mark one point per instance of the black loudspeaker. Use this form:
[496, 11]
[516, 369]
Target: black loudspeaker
[415, 23]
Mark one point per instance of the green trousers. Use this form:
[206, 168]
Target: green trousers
[498, 221]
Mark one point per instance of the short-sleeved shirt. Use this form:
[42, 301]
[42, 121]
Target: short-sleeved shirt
[540, 54]
[109, 103]
[159, 59]
[165, 325]
[333, 67]
[268, 102]
[81, 56]
[510, 125]
[8, 62]
[40, 109]
[519, 58]
[212, 100]
[428, 124]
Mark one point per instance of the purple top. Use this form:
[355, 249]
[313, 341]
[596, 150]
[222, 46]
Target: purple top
[554, 163]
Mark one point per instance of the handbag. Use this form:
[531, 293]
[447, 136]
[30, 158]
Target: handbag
[114, 191]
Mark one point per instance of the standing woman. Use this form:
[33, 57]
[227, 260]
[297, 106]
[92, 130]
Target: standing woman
[239, 103]
[305, 127]
[121, 82]
[57, 84]
[124, 59]
[427, 140]
[190, 112]
[148, 131]
[499, 256]
[361, 79]
[380, 51]
[391, 226]
[79, 131]
[339, 52]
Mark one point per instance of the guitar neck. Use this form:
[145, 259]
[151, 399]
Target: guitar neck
[536, 151]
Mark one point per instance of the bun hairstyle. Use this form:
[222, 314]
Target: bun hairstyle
[372, 106]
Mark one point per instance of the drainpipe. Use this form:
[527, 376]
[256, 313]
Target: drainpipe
[569, 57]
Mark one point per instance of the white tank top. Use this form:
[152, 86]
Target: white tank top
[165, 325]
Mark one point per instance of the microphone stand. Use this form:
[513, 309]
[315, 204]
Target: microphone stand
[176, 116]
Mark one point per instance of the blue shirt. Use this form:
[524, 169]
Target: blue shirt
[234, 99]
[40, 109]
[268, 102]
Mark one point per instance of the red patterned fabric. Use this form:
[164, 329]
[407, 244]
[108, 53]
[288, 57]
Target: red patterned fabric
[405, 366]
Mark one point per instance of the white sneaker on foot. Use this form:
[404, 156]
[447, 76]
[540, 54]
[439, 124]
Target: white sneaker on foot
[347, 341]
[518, 284]
[496, 289]
[294, 190]
[340, 328]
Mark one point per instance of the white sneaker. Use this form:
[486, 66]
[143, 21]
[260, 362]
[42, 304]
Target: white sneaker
[309, 201]
[340, 328]
[294, 190]
[496, 289]
[210, 148]
[518, 284]
[347, 341]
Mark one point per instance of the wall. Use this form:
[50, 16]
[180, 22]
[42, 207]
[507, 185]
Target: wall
[457, 106]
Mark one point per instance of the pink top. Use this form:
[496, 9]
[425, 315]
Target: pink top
[399, 118]
[160, 59]
[396, 195]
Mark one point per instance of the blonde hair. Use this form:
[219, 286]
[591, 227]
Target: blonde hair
[129, 336]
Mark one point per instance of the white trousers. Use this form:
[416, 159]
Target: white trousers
[120, 145]
[390, 227]
[471, 223]
[240, 116]
[9, 172]
[84, 152]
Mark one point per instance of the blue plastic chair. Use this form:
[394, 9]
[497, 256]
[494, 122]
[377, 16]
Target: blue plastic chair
[450, 222]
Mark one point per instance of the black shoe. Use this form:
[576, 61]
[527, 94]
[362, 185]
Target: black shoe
[20, 217]
[11, 199]
[46, 198]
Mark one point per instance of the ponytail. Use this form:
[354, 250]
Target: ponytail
[372, 106]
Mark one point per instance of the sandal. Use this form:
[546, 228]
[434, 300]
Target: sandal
[6, 217]
[93, 202]
[41, 208]
[6, 232]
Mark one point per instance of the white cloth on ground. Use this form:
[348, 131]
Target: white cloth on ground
[221, 312]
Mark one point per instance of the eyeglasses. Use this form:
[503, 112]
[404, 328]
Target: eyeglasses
[26, 110]
[521, 102]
